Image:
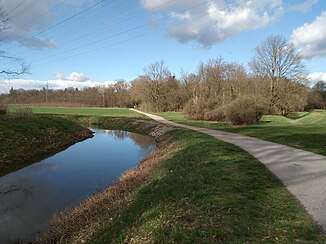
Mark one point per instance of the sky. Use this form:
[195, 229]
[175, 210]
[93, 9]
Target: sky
[86, 43]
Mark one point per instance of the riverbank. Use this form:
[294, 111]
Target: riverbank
[193, 189]
[25, 140]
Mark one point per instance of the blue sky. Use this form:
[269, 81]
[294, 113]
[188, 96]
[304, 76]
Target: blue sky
[90, 42]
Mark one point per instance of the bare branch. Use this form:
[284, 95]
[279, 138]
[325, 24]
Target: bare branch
[14, 71]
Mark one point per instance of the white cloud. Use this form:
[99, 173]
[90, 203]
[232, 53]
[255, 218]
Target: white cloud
[75, 80]
[305, 6]
[310, 38]
[26, 19]
[216, 20]
[74, 76]
[31, 18]
[317, 76]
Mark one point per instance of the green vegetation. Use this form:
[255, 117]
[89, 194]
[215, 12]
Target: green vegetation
[194, 198]
[113, 112]
[204, 191]
[25, 140]
[307, 131]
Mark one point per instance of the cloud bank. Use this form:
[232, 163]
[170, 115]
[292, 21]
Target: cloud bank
[317, 76]
[216, 20]
[310, 38]
[75, 80]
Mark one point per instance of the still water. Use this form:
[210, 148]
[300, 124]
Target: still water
[30, 196]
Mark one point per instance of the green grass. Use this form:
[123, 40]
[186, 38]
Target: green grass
[208, 191]
[307, 131]
[112, 112]
[26, 140]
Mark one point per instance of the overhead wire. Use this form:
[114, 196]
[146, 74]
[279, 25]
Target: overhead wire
[118, 34]
[17, 6]
[69, 18]
[44, 13]
[129, 39]
[33, 19]
[118, 22]
[24, 10]
[54, 7]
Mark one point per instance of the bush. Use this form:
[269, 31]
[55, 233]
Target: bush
[243, 110]
[217, 114]
[3, 109]
[194, 110]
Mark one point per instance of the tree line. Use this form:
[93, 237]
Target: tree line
[217, 90]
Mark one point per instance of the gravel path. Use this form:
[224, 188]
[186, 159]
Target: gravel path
[302, 172]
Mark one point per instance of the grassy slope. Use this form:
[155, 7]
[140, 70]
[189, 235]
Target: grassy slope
[205, 191]
[26, 140]
[308, 132]
[208, 191]
[113, 112]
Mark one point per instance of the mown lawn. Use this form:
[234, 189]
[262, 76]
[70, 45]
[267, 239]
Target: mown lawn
[307, 131]
[208, 191]
[113, 112]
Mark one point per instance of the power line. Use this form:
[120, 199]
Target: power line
[69, 18]
[33, 19]
[129, 39]
[16, 7]
[117, 22]
[44, 13]
[118, 34]
[49, 10]
[24, 10]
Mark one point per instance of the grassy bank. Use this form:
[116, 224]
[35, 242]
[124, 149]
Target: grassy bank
[112, 112]
[306, 131]
[194, 189]
[29, 139]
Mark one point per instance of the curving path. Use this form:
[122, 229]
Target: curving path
[302, 172]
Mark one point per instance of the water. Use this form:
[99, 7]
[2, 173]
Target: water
[30, 196]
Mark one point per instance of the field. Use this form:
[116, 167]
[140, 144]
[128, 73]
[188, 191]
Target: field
[113, 112]
[301, 130]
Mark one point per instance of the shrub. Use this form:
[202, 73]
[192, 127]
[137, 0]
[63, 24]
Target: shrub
[3, 109]
[217, 114]
[243, 110]
[194, 110]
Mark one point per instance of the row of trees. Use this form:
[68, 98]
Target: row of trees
[277, 84]
[218, 90]
[115, 95]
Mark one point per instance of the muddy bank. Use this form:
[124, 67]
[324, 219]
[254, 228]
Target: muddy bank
[84, 221]
[28, 140]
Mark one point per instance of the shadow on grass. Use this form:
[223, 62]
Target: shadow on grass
[209, 192]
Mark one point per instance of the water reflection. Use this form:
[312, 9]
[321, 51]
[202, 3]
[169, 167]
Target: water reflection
[30, 196]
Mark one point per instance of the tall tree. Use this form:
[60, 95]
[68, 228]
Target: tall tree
[155, 75]
[279, 61]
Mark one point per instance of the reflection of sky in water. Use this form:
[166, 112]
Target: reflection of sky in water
[29, 197]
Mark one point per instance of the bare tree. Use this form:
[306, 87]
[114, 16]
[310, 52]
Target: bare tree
[16, 65]
[281, 63]
[155, 75]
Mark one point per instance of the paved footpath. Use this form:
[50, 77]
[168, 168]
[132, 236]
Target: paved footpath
[303, 173]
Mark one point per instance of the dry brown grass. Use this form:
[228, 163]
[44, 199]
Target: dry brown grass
[84, 221]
